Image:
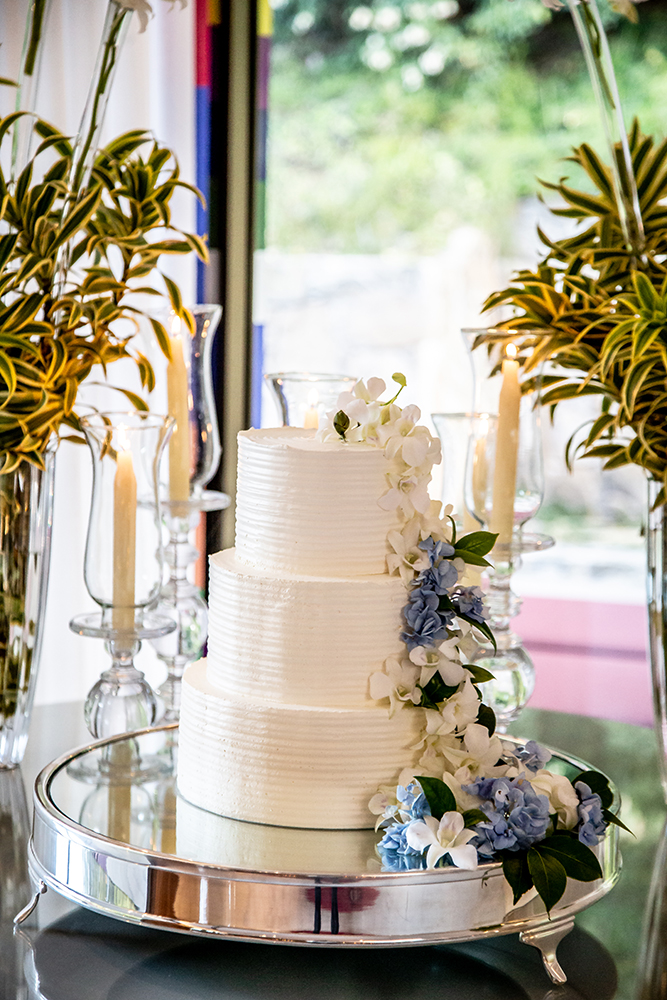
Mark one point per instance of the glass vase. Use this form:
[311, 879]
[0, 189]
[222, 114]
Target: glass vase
[123, 562]
[504, 488]
[656, 587]
[26, 514]
[303, 397]
[193, 455]
[190, 463]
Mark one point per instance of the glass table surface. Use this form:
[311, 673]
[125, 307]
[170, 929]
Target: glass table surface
[67, 952]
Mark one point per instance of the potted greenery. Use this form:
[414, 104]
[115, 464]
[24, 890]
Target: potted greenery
[82, 233]
[600, 304]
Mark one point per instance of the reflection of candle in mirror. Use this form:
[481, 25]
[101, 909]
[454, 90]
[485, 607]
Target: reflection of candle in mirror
[507, 449]
[177, 396]
[312, 418]
[124, 536]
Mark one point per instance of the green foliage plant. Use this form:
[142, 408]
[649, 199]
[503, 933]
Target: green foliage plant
[596, 312]
[57, 323]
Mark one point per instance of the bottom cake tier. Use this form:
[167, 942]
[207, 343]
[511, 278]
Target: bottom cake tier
[288, 765]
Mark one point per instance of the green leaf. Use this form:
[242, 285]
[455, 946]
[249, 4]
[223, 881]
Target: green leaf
[341, 423]
[487, 717]
[610, 817]
[479, 674]
[400, 379]
[471, 817]
[78, 217]
[597, 783]
[439, 796]
[548, 875]
[482, 627]
[517, 873]
[174, 295]
[578, 860]
[8, 374]
[162, 337]
[476, 543]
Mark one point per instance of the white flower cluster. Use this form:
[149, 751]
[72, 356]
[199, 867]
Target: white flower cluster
[480, 756]
[411, 452]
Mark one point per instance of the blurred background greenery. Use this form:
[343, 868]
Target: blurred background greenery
[392, 124]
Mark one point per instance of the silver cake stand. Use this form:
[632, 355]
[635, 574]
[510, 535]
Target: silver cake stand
[129, 847]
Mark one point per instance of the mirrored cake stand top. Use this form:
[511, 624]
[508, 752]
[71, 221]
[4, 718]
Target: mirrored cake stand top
[113, 835]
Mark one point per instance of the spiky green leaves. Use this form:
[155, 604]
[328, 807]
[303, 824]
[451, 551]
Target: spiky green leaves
[601, 313]
[50, 336]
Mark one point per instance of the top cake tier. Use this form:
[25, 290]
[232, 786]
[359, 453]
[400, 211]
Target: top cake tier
[311, 507]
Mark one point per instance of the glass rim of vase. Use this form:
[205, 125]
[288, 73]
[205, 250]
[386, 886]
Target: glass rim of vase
[510, 332]
[309, 377]
[143, 419]
[199, 307]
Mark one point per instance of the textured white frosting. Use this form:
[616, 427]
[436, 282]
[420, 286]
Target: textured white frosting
[288, 765]
[309, 507]
[203, 836]
[299, 640]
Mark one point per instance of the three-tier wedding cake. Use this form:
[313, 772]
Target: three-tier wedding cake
[278, 725]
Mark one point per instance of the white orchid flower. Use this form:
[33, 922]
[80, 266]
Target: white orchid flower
[398, 682]
[445, 837]
[462, 708]
[384, 804]
[563, 799]
[144, 10]
[407, 558]
[435, 525]
[475, 756]
[409, 493]
[464, 800]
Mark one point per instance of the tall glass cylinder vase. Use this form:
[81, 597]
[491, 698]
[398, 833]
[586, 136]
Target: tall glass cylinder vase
[504, 487]
[656, 586]
[26, 513]
[191, 460]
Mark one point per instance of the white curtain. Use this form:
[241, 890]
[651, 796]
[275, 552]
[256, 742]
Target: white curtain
[153, 90]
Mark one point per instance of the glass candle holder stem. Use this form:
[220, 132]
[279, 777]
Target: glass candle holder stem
[180, 599]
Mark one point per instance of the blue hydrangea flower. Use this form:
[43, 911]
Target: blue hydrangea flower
[517, 815]
[425, 627]
[395, 852]
[439, 578]
[413, 802]
[436, 550]
[469, 601]
[593, 825]
[533, 756]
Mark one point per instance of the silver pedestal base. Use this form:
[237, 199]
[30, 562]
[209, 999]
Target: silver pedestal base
[363, 907]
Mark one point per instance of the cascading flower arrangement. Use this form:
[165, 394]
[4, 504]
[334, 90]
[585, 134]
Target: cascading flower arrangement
[473, 797]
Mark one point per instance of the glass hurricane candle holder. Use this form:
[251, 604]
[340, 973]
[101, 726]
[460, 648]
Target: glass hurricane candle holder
[503, 490]
[193, 454]
[123, 563]
[191, 461]
[303, 397]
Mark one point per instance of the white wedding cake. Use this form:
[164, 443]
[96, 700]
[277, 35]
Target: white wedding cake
[278, 725]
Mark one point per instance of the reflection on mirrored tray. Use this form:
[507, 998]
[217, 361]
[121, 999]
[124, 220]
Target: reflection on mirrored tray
[127, 791]
[85, 956]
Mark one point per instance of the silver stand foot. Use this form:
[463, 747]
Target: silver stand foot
[546, 940]
[27, 910]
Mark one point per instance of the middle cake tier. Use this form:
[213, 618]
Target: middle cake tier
[300, 640]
